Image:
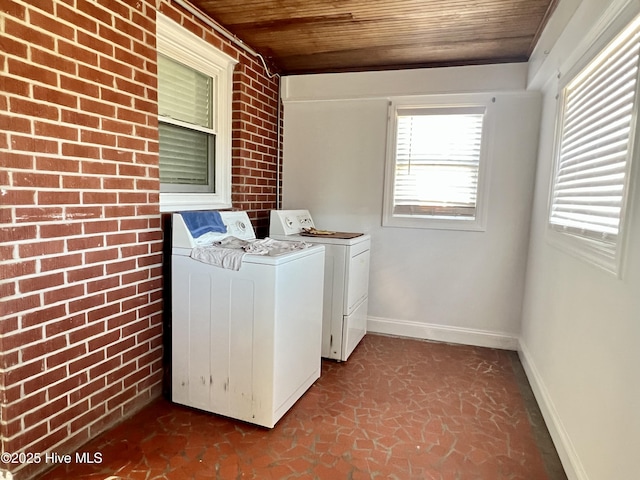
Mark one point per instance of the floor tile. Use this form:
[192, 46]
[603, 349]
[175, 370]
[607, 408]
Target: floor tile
[397, 409]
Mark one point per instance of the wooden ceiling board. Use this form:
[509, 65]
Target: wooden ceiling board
[304, 36]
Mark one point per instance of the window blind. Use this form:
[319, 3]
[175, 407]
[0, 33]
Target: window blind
[187, 141]
[595, 147]
[183, 93]
[184, 156]
[437, 161]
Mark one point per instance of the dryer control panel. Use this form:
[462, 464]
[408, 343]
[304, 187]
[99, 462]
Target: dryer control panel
[289, 222]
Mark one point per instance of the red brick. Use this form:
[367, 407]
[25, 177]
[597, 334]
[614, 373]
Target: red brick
[120, 211]
[100, 138]
[14, 10]
[117, 154]
[17, 269]
[20, 30]
[131, 115]
[136, 377]
[41, 282]
[66, 355]
[57, 164]
[86, 362]
[88, 418]
[84, 87]
[95, 43]
[64, 325]
[103, 312]
[121, 398]
[25, 438]
[61, 417]
[79, 150]
[117, 127]
[101, 256]
[36, 179]
[60, 262]
[22, 372]
[55, 62]
[22, 106]
[98, 75]
[80, 183]
[84, 243]
[93, 11]
[121, 293]
[134, 250]
[62, 294]
[31, 144]
[118, 183]
[42, 381]
[99, 168]
[15, 124]
[60, 230]
[122, 238]
[120, 266]
[118, 348]
[155, 331]
[77, 18]
[136, 302]
[135, 277]
[85, 273]
[43, 315]
[86, 332]
[155, 284]
[67, 385]
[104, 367]
[80, 54]
[128, 57]
[15, 86]
[150, 260]
[16, 305]
[25, 404]
[103, 284]
[103, 340]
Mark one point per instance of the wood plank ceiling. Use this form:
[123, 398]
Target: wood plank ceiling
[317, 36]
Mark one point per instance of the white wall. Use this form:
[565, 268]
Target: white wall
[447, 285]
[581, 326]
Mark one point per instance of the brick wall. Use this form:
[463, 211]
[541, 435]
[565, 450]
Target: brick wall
[80, 229]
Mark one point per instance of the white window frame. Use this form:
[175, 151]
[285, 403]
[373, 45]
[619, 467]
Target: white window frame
[179, 44]
[584, 246]
[454, 101]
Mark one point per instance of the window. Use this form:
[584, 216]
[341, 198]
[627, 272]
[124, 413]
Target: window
[194, 120]
[435, 166]
[593, 160]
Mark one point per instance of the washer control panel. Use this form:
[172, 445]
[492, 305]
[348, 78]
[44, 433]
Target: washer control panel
[289, 222]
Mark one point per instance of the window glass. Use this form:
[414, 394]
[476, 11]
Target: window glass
[597, 130]
[184, 93]
[437, 162]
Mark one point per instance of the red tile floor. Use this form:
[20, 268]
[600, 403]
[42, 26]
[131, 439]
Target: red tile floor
[397, 409]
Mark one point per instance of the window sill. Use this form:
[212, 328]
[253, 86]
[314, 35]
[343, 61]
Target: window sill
[180, 202]
[475, 225]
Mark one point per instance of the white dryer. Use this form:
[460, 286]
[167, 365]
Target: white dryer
[346, 279]
[246, 342]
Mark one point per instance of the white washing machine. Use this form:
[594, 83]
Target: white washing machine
[346, 279]
[246, 342]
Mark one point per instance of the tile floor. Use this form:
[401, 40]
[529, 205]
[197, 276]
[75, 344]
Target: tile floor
[398, 409]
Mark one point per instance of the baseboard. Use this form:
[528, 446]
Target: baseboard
[442, 333]
[566, 451]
